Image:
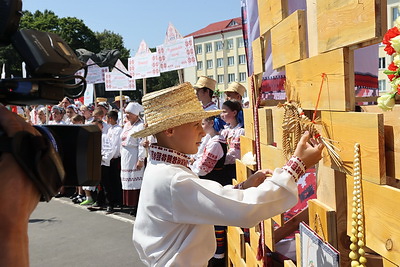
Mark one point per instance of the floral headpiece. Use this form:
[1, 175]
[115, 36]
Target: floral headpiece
[392, 42]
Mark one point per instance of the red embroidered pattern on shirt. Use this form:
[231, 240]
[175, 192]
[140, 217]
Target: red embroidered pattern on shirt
[208, 105]
[167, 155]
[132, 179]
[208, 162]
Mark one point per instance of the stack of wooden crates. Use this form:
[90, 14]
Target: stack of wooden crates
[306, 44]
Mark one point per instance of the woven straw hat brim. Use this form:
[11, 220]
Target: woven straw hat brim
[176, 121]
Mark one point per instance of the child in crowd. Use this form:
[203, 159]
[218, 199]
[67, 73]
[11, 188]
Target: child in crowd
[177, 210]
[211, 166]
[232, 114]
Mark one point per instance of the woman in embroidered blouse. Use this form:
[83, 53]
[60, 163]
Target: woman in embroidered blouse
[232, 114]
[132, 157]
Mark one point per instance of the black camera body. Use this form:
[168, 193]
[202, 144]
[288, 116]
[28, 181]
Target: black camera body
[70, 155]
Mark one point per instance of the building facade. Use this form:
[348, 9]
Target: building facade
[220, 54]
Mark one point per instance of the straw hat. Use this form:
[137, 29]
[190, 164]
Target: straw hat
[118, 98]
[236, 88]
[204, 81]
[172, 107]
[101, 99]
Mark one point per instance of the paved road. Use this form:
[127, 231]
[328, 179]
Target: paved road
[65, 234]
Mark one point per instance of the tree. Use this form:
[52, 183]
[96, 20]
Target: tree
[109, 40]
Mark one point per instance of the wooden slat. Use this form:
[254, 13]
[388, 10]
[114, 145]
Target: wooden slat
[254, 238]
[304, 78]
[322, 219]
[266, 126]
[288, 40]
[269, 236]
[279, 219]
[258, 55]
[251, 260]
[235, 237]
[392, 141]
[291, 225]
[270, 13]
[247, 145]
[271, 157]
[289, 263]
[242, 172]
[381, 219]
[248, 123]
[277, 119]
[387, 263]
[312, 30]
[348, 128]
[298, 249]
[346, 22]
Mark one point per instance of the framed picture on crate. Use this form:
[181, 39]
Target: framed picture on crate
[314, 251]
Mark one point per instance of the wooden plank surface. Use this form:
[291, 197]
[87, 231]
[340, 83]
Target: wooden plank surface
[254, 238]
[298, 249]
[269, 234]
[348, 128]
[266, 126]
[258, 55]
[289, 263]
[392, 141]
[270, 13]
[347, 22]
[247, 145]
[248, 123]
[382, 232]
[271, 157]
[312, 29]
[251, 260]
[304, 78]
[242, 172]
[288, 40]
[277, 119]
[322, 219]
[235, 237]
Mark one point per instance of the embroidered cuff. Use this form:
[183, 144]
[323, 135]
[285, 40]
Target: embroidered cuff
[296, 167]
[239, 186]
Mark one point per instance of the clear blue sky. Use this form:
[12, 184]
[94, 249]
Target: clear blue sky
[139, 20]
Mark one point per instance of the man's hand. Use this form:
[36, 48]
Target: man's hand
[310, 154]
[139, 165]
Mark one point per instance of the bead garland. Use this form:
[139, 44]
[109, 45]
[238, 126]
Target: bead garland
[357, 254]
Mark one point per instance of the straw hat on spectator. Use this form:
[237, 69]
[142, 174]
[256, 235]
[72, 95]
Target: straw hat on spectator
[172, 107]
[101, 99]
[205, 82]
[118, 98]
[235, 87]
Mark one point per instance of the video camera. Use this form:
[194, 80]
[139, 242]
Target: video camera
[69, 155]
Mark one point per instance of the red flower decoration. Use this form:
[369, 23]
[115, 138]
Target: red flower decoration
[392, 67]
[393, 32]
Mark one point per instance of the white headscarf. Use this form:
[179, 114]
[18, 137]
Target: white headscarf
[134, 108]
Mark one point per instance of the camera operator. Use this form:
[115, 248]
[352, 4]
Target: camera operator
[18, 197]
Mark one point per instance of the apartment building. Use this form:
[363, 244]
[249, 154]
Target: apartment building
[220, 54]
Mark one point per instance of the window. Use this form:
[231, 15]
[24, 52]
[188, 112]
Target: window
[199, 49]
[382, 85]
[242, 76]
[220, 62]
[240, 42]
[210, 76]
[209, 64]
[231, 77]
[220, 78]
[395, 13]
[233, 23]
[231, 61]
[229, 44]
[382, 62]
[208, 47]
[219, 46]
[199, 65]
[242, 59]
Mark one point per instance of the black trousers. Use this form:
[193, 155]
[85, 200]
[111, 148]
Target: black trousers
[111, 184]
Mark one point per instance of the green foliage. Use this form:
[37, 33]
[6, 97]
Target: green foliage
[109, 40]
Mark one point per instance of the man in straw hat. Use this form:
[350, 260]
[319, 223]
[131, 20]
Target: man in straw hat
[235, 92]
[177, 210]
[205, 88]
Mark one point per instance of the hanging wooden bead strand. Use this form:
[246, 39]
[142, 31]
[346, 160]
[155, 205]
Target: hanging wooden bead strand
[357, 254]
